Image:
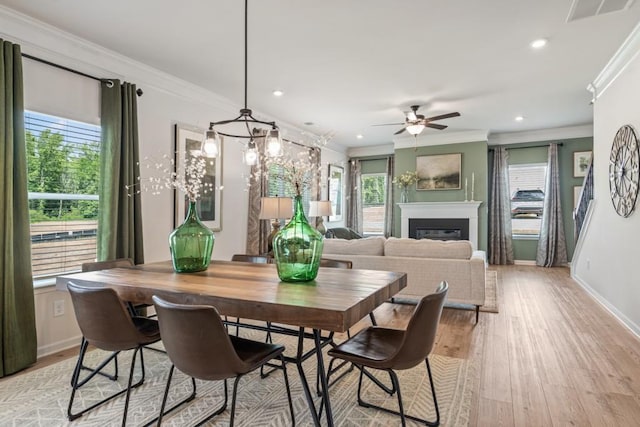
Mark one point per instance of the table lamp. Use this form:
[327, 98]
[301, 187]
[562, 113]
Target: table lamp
[319, 209]
[275, 208]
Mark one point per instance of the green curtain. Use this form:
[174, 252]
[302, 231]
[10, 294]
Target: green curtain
[120, 210]
[18, 345]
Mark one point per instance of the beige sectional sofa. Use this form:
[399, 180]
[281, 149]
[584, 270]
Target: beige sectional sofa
[426, 262]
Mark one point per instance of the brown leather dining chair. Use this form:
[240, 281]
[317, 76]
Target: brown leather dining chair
[255, 259]
[106, 324]
[393, 349]
[210, 353]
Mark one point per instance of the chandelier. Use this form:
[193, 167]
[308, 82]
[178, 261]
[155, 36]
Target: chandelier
[273, 139]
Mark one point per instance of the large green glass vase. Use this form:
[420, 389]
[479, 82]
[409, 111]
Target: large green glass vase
[297, 248]
[191, 244]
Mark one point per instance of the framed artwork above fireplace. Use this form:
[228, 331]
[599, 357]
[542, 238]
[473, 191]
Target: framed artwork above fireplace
[439, 172]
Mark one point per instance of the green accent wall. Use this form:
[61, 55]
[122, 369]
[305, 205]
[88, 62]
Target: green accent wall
[474, 161]
[525, 249]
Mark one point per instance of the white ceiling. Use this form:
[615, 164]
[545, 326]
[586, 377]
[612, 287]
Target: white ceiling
[346, 65]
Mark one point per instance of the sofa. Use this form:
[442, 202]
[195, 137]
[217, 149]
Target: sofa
[426, 262]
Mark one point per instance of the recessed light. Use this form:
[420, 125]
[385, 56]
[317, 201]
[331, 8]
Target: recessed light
[539, 43]
[359, 136]
[278, 92]
[309, 123]
[519, 118]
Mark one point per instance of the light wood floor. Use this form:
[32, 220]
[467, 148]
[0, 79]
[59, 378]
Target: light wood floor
[551, 357]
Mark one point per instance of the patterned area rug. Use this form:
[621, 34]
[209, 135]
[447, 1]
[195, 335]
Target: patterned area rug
[40, 398]
[490, 292]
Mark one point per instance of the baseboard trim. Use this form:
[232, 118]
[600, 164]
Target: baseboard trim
[618, 315]
[524, 262]
[55, 347]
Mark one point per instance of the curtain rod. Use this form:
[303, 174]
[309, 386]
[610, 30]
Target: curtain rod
[71, 70]
[560, 144]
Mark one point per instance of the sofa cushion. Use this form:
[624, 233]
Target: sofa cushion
[425, 248]
[366, 246]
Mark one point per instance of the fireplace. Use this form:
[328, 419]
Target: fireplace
[467, 211]
[439, 228]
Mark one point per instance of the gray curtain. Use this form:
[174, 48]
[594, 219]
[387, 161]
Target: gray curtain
[119, 213]
[552, 247]
[354, 202]
[389, 207]
[500, 244]
[18, 346]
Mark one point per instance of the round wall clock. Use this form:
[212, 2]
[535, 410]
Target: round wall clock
[624, 171]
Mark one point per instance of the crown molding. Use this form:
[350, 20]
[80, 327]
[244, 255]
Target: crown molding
[53, 44]
[441, 139]
[582, 131]
[616, 65]
[371, 150]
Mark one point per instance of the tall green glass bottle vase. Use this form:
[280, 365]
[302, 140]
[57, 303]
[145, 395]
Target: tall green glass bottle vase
[297, 248]
[191, 244]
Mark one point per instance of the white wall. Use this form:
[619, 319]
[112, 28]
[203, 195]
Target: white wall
[166, 102]
[607, 264]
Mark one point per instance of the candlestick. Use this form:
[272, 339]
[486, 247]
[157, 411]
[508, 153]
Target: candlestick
[465, 190]
[473, 185]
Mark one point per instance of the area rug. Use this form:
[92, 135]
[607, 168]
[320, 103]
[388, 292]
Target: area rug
[490, 292]
[40, 397]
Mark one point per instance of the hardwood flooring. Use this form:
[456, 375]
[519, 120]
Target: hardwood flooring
[552, 356]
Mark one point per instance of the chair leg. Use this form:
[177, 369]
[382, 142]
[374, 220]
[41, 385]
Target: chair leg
[166, 394]
[477, 313]
[128, 394]
[220, 410]
[286, 383]
[98, 370]
[396, 386]
[233, 400]
[76, 383]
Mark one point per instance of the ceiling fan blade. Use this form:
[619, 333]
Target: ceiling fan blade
[435, 126]
[389, 124]
[400, 131]
[443, 116]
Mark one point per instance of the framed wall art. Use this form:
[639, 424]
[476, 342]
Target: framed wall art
[336, 182]
[439, 172]
[581, 160]
[188, 141]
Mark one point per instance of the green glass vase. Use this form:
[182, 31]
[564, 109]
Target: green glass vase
[191, 244]
[297, 248]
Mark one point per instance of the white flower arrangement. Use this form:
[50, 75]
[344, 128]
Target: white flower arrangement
[189, 178]
[406, 179]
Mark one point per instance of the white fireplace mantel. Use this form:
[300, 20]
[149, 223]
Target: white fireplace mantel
[441, 210]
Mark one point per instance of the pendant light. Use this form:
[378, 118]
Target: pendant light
[273, 139]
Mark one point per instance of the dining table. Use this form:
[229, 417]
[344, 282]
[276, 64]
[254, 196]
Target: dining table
[335, 301]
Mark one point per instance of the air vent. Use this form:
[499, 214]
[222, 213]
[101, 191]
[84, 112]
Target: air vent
[586, 8]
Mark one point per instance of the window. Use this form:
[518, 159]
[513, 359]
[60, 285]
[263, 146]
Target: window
[63, 163]
[526, 184]
[374, 188]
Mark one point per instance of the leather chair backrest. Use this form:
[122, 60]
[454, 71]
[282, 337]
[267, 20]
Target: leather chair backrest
[420, 334]
[103, 318]
[256, 259]
[103, 265]
[196, 341]
[335, 263]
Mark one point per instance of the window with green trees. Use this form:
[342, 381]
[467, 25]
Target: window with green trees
[373, 190]
[63, 163]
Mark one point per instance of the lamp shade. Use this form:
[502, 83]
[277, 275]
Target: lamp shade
[276, 207]
[320, 208]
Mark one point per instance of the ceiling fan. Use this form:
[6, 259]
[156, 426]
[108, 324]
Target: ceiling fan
[414, 123]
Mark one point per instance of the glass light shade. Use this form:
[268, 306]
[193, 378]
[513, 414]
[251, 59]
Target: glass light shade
[276, 207]
[210, 144]
[251, 154]
[274, 142]
[415, 129]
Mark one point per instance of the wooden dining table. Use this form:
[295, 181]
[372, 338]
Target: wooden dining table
[336, 300]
